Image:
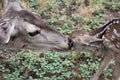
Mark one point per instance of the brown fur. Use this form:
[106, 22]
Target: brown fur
[109, 46]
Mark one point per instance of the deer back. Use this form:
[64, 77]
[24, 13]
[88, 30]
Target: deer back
[111, 36]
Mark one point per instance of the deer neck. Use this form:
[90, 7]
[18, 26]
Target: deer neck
[12, 4]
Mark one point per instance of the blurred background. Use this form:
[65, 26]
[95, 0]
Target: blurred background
[66, 16]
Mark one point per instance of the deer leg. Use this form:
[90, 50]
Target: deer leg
[116, 72]
[103, 65]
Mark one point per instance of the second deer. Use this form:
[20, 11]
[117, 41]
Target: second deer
[104, 40]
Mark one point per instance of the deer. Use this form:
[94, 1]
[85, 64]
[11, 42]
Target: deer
[19, 24]
[104, 40]
[21, 28]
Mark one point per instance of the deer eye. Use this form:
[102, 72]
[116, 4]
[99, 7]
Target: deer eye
[34, 33]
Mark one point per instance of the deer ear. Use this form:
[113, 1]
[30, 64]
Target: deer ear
[30, 27]
[89, 39]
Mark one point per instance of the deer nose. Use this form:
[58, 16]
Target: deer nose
[70, 44]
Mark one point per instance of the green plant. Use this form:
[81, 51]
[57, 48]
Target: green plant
[94, 22]
[33, 4]
[113, 5]
[33, 65]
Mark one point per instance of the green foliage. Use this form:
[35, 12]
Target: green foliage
[87, 27]
[113, 5]
[33, 4]
[94, 22]
[28, 65]
[88, 66]
[34, 65]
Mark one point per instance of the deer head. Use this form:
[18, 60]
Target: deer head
[29, 29]
[84, 41]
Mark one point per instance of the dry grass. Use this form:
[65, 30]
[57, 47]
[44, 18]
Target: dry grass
[25, 4]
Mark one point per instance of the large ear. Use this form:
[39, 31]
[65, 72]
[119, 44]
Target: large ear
[30, 27]
[32, 18]
[87, 39]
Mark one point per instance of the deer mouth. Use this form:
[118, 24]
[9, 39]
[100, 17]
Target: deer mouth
[70, 44]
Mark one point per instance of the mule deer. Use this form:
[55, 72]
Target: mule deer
[104, 40]
[28, 27]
